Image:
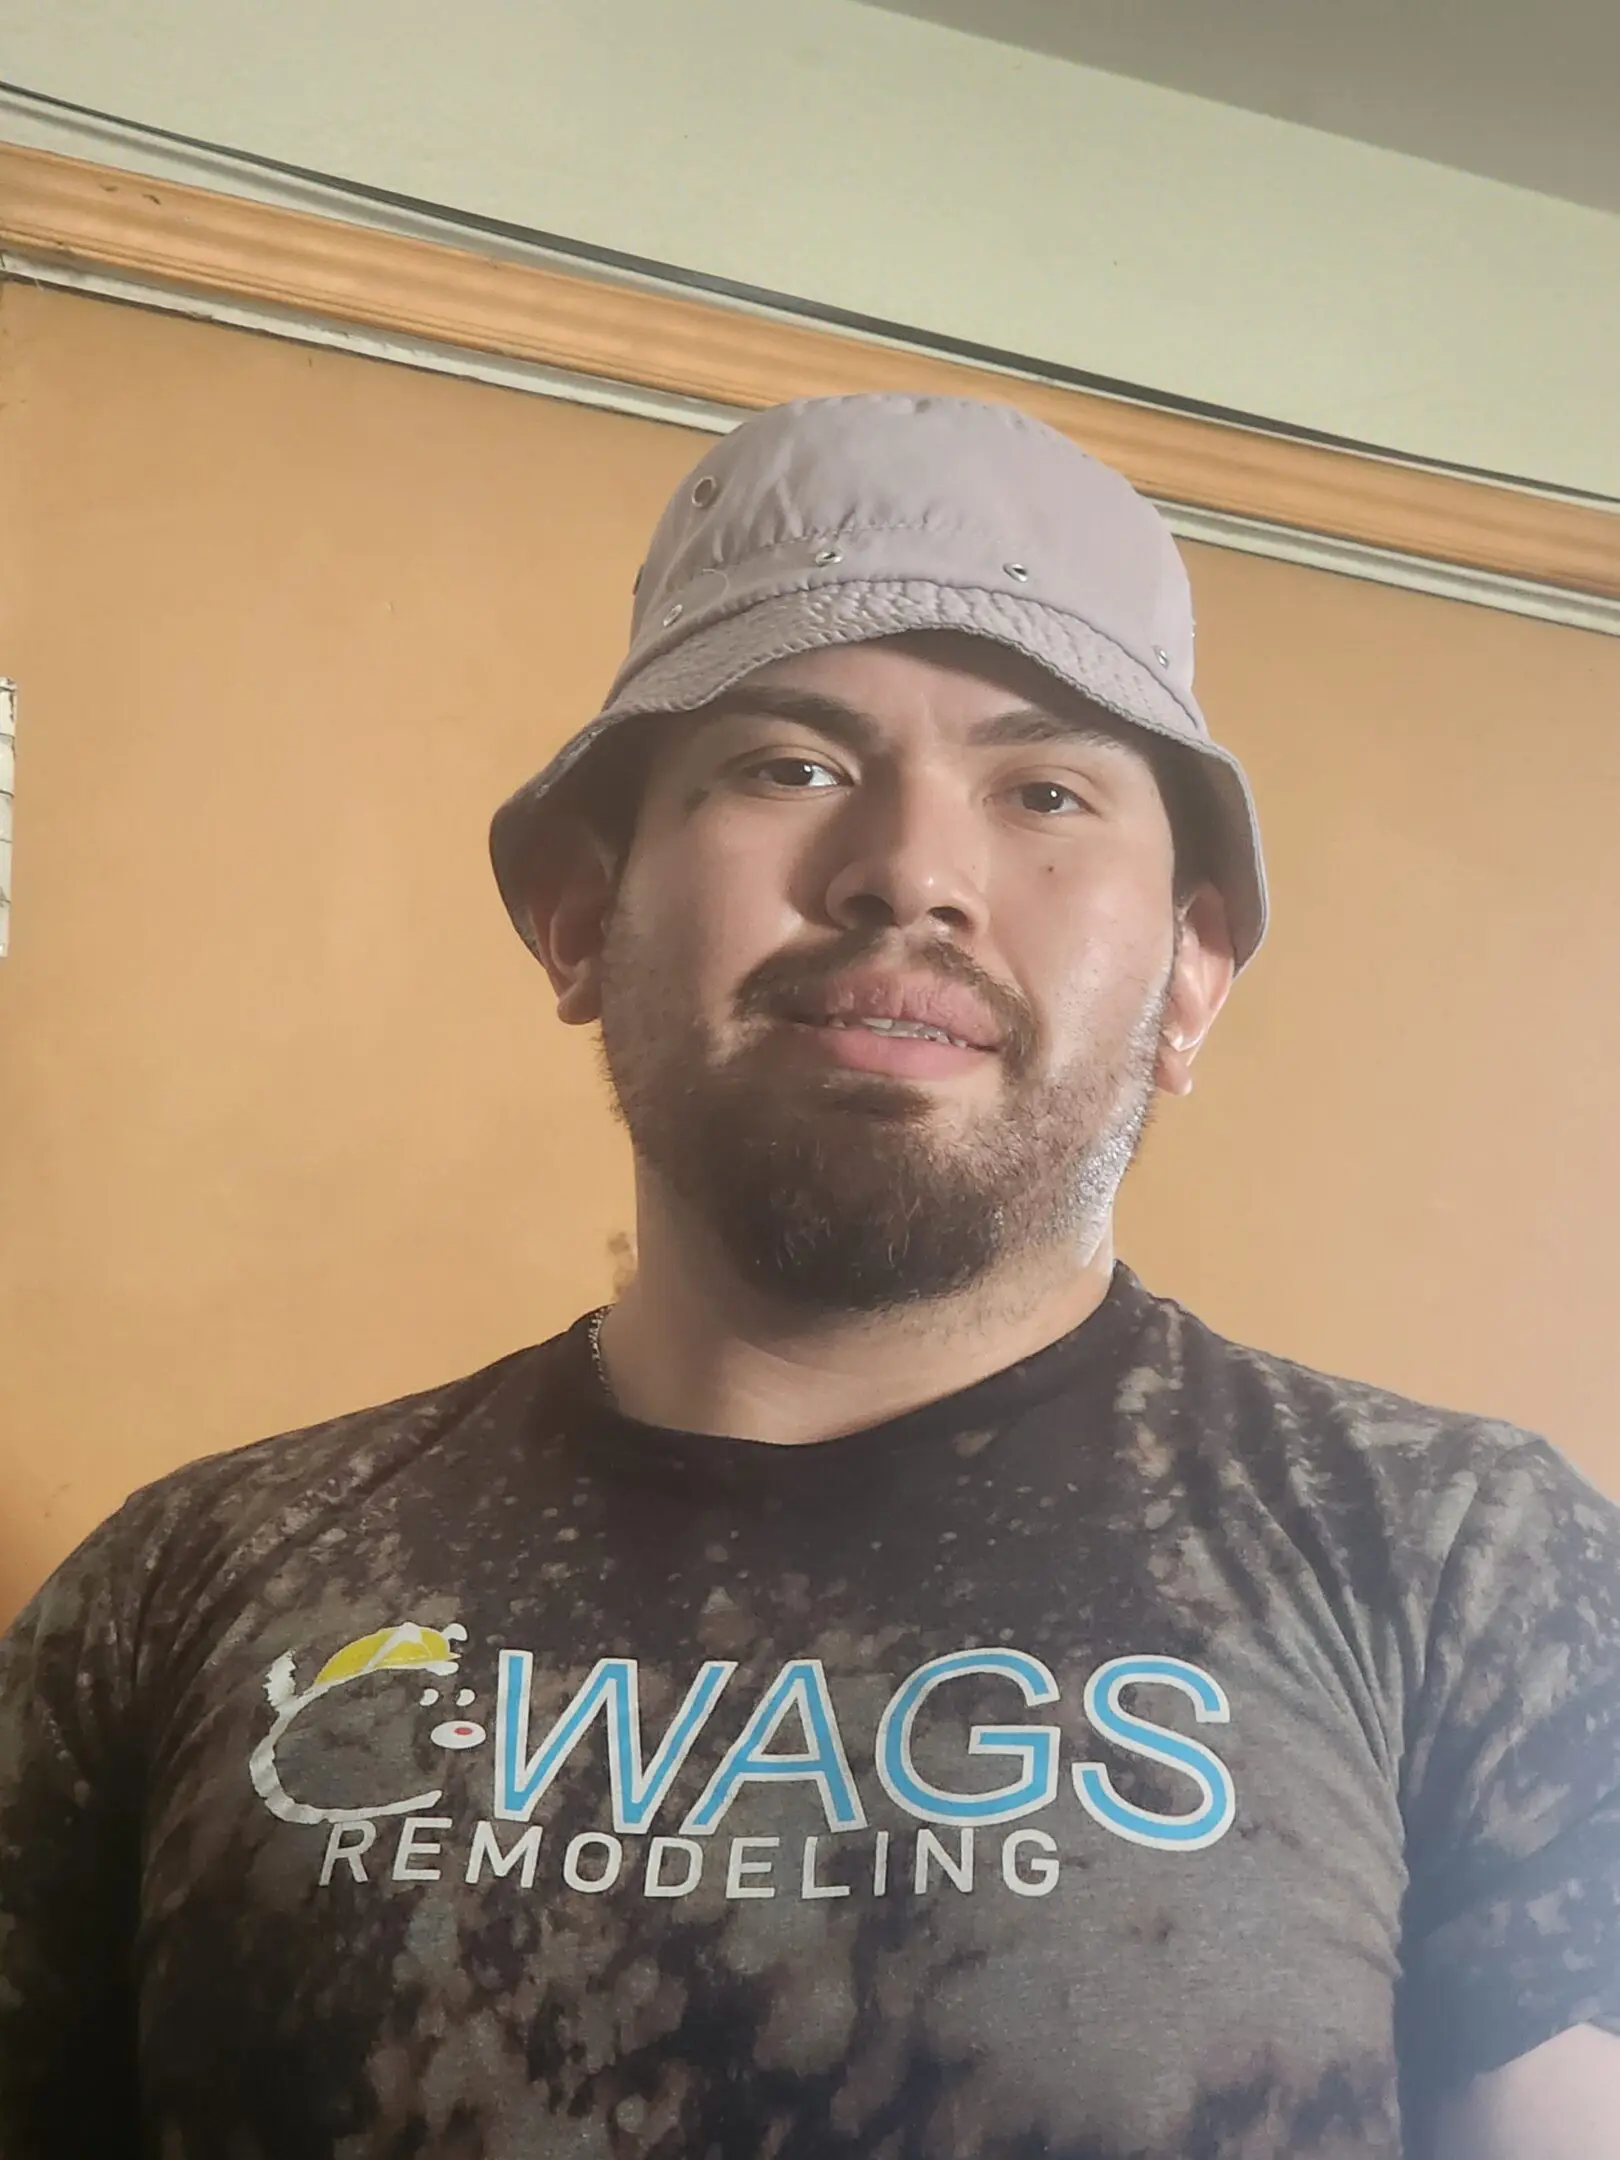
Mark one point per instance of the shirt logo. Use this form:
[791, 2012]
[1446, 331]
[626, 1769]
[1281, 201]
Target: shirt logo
[791, 1736]
[408, 1649]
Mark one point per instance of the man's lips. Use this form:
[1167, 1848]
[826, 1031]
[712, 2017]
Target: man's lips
[909, 1027]
[899, 1008]
[859, 1046]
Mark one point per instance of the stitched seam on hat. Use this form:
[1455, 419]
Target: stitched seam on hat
[806, 535]
[736, 605]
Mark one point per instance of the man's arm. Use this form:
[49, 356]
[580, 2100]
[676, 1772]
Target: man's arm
[1559, 2102]
[69, 1835]
[1511, 1797]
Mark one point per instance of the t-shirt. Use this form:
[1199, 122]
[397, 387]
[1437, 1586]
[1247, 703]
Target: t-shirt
[1157, 1751]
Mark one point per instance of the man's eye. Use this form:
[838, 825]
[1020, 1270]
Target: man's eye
[1047, 797]
[797, 775]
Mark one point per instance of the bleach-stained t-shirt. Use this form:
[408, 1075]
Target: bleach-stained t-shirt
[1158, 1751]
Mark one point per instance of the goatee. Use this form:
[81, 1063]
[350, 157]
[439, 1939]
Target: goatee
[839, 1193]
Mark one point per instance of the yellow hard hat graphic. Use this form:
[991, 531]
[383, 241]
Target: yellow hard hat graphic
[404, 1648]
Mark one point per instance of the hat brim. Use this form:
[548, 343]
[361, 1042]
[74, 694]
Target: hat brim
[713, 657]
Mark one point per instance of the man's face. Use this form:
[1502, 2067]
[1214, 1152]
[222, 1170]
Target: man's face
[885, 973]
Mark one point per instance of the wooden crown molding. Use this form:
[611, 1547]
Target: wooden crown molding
[68, 211]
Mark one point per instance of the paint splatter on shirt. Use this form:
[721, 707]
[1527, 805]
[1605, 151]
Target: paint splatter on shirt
[1159, 1751]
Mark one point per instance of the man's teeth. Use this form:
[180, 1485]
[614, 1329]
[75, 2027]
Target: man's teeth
[904, 1027]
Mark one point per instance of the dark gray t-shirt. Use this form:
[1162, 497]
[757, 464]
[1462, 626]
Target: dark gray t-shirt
[1159, 1751]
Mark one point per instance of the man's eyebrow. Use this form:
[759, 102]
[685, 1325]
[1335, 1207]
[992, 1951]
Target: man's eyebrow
[1032, 725]
[1023, 726]
[830, 716]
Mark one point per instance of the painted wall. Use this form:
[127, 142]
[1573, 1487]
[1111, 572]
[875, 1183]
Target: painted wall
[286, 1122]
[829, 150]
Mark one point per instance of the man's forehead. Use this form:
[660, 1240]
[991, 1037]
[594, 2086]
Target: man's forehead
[858, 692]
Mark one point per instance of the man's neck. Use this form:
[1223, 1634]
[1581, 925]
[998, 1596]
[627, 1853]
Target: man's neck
[691, 1347]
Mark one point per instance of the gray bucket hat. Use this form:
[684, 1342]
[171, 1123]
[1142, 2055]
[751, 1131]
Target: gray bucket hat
[833, 521]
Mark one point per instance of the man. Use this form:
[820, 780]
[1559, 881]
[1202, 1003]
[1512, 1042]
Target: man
[893, 1685]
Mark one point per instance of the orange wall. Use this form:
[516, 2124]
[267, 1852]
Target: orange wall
[285, 1123]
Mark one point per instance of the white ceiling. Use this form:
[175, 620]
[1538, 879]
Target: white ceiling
[1526, 91]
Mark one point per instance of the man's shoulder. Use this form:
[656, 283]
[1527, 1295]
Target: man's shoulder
[1314, 1413]
[273, 1487]
[205, 1539]
[1371, 1477]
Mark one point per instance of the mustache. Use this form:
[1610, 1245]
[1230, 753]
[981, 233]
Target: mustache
[779, 986]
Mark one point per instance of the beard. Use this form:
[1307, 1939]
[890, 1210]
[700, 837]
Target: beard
[839, 1193]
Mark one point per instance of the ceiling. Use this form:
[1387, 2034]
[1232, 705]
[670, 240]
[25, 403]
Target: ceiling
[1525, 93]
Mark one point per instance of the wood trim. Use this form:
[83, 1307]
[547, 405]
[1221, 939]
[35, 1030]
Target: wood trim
[67, 210]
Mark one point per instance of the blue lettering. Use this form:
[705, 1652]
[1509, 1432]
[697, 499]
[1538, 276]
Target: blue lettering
[800, 1686]
[1035, 1745]
[1154, 1743]
[521, 1778]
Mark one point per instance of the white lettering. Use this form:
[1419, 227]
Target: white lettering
[612, 1862]
[346, 1842]
[654, 1884]
[808, 1886]
[1043, 1868]
[929, 1847]
[486, 1850]
[742, 1864]
[412, 1847]
[880, 1865]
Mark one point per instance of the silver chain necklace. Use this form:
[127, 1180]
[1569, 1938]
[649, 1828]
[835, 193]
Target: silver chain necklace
[593, 1335]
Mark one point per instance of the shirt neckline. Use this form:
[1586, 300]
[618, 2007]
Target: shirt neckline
[632, 1449]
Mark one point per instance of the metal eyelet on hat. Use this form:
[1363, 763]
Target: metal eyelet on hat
[674, 614]
[1161, 656]
[828, 555]
[1017, 570]
[705, 491]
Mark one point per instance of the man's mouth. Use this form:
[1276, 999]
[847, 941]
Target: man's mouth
[917, 1029]
[899, 1045]
[899, 1006]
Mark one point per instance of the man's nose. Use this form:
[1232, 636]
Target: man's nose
[908, 852]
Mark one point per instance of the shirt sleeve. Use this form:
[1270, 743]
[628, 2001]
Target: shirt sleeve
[70, 1810]
[1512, 1778]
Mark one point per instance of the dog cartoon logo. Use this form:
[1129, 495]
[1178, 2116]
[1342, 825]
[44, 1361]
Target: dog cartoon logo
[405, 1649]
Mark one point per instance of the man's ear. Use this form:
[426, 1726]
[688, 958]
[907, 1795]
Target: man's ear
[1200, 979]
[572, 898]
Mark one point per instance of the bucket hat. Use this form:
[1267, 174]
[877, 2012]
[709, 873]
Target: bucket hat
[834, 521]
